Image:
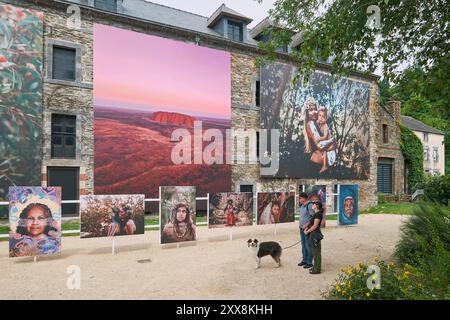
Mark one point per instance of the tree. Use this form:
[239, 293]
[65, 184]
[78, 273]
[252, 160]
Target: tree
[404, 32]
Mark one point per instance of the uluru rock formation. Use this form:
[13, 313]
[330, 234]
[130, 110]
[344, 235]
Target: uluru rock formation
[173, 118]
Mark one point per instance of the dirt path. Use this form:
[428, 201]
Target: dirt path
[212, 268]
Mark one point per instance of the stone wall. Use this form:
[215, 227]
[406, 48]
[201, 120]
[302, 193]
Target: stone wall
[76, 98]
[246, 116]
[389, 115]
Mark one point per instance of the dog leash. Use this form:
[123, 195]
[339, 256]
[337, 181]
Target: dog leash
[292, 245]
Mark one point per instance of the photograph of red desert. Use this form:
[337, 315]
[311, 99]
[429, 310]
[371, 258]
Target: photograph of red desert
[157, 86]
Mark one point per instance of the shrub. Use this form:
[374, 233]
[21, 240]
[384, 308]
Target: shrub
[412, 150]
[425, 245]
[437, 188]
[397, 283]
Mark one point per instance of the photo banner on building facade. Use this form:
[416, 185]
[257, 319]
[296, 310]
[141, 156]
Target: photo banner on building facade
[21, 51]
[146, 89]
[323, 124]
[34, 221]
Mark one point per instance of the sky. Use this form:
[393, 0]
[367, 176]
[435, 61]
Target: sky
[250, 8]
[138, 71]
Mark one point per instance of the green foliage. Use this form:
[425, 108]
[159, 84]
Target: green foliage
[425, 245]
[410, 30]
[406, 208]
[412, 150]
[397, 283]
[425, 96]
[437, 188]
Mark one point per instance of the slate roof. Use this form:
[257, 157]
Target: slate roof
[175, 17]
[223, 10]
[417, 125]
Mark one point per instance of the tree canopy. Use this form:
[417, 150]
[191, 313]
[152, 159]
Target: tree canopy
[362, 35]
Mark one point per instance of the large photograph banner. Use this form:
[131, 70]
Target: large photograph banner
[149, 90]
[323, 124]
[21, 51]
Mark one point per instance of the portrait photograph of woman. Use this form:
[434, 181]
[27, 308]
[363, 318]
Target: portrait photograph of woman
[35, 221]
[348, 204]
[177, 214]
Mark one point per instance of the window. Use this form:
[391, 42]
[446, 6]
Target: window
[64, 65]
[63, 136]
[425, 153]
[435, 154]
[425, 137]
[246, 188]
[109, 5]
[257, 145]
[235, 31]
[385, 133]
[258, 93]
[283, 48]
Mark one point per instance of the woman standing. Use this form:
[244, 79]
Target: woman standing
[315, 237]
[229, 213]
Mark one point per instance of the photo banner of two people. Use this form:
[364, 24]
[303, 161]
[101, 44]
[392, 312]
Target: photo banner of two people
[324, 132]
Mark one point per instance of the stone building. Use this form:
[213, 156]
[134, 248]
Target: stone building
[68, 38]
[433, 145]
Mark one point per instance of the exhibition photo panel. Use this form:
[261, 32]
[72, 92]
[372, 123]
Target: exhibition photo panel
[111, 215]
[348, 204]
[275, 207]
[230, 209]
[34, 221]
[177, 215]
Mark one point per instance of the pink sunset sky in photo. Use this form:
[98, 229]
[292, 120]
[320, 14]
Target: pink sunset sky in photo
[138, 71]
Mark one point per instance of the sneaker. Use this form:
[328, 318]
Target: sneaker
[308, 266]
[314, 272]
[301, 264]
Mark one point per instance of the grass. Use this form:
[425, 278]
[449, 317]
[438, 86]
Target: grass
[397, 208]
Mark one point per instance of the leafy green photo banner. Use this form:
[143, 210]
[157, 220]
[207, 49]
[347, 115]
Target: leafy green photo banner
[21, 51]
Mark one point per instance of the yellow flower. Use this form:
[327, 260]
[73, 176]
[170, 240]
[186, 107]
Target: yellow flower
[406, 274]
[338, 288]
[359, 267]
[349, 270]
[368, 294]
[350, 298]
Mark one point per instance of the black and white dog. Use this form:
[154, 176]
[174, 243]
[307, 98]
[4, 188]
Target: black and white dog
[262, 249]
